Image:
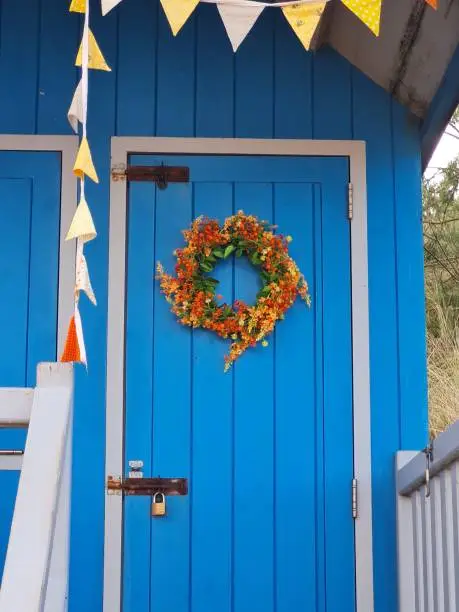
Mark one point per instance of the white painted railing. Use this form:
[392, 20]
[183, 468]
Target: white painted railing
[35, 576]
[428, 526]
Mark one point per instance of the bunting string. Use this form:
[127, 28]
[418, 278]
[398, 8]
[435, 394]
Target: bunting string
[238, 17]
[82, 228]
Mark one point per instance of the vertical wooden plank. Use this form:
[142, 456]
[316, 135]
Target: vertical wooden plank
[57, 78]
[332, 96]
[214, 76]
[316, 292]
[293, 115]
[136, 86]
[45, 170]
[211, 443]
[14, 271]
[410, 278]
[16, 223]
[332, 118]
[175, 89]
[372, 123]
[139, 389]
[299, 460]
[172, 391]
[337, 374]
[88, 488]
[253, 441]
[19, 66]
[254, 98]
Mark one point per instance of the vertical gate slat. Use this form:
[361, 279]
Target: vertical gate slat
[447, 540]
[418, 555]
[428, 574]
[437, 556]
[455, 524]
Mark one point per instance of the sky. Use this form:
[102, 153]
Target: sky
[446, 150]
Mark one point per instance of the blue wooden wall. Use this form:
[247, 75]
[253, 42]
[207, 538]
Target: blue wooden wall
[194, 86]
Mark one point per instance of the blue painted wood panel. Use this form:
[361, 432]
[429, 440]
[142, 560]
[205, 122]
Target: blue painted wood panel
[194, 85]
[29, 251]
[267, 448]
[385, 423]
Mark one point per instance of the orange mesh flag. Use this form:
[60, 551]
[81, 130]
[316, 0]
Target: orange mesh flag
[74, 349]
[433, 3]
[71, 348]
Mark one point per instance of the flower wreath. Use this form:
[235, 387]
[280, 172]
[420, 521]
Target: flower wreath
[193, 294]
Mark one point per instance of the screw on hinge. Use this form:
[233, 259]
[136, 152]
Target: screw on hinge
[350, 201]
[355, 510]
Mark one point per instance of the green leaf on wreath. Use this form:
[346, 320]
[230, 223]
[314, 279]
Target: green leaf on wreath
[229, 249]
[206, 266]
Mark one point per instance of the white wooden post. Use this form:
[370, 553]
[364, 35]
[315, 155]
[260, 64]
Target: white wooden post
[56, 599]
[28, 560]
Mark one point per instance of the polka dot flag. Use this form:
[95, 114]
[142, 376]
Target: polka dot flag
[369, 11]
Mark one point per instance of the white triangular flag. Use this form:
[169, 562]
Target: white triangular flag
[238, 21]
[83, 282]
[75, 112]
[107, 5]
[80, 337]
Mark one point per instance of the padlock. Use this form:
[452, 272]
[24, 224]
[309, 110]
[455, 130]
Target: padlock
[158, 506]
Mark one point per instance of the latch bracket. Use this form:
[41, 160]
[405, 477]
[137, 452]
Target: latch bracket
[146, 486]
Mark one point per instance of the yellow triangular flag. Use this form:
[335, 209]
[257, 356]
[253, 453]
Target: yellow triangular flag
[82, 225]
[96, 59]
[77, 6]
[304, 19]
[368, 11]
[177, 12]
[83, 163]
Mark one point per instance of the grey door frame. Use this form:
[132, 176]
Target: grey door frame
[121, 148]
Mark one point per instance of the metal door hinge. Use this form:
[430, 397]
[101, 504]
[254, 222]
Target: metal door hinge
[350, 201]
[113, 486]
[119, 173]
[355, 508]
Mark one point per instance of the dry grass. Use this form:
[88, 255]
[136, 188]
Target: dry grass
[443, 364]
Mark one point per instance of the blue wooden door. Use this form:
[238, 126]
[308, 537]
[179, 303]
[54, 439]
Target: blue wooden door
[267, 447]
[30, 188]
